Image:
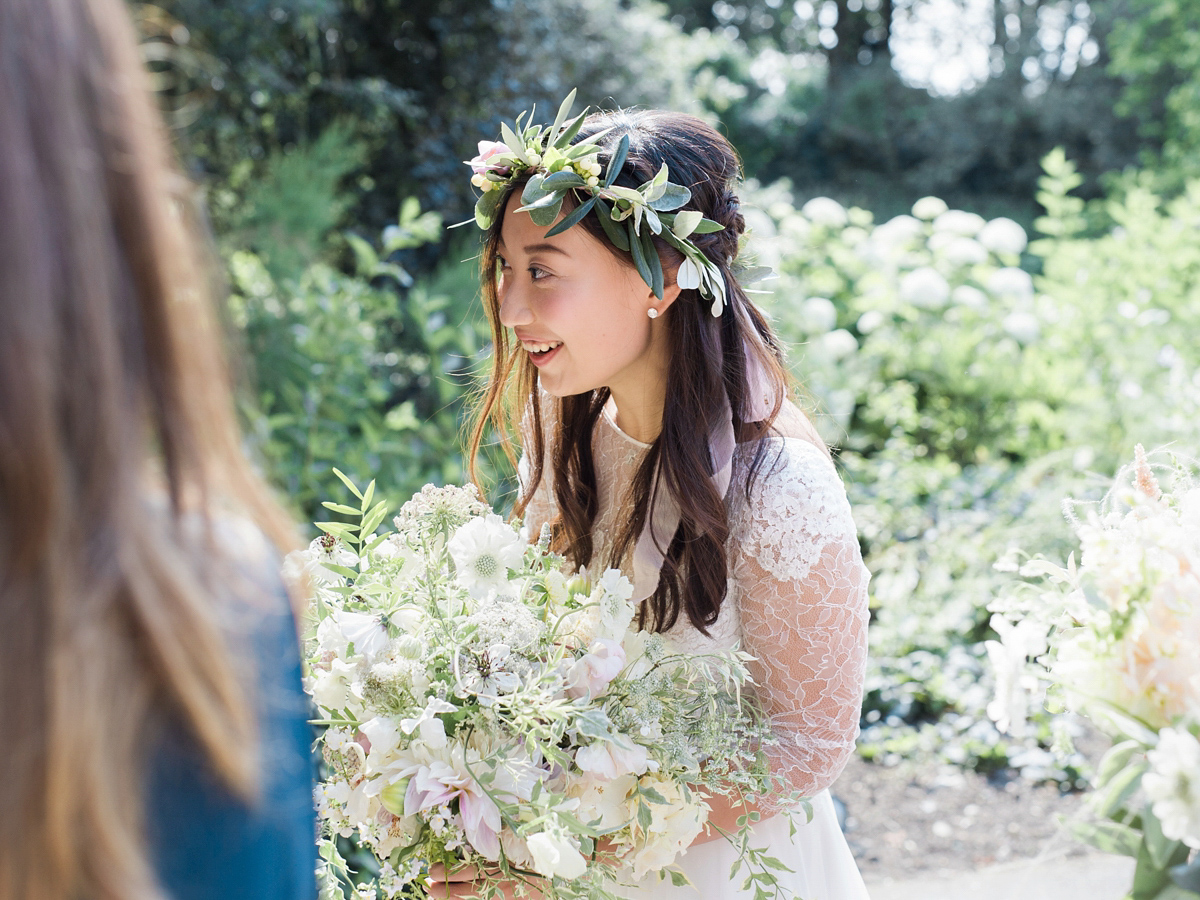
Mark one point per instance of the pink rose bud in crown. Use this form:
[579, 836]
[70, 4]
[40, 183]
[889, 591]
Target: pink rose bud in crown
[487, 149]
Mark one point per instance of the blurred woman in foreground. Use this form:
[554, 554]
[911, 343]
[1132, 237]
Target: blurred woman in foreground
[155, 741]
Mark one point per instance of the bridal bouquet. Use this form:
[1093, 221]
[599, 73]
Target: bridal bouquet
[1117, 638]
[484, 708]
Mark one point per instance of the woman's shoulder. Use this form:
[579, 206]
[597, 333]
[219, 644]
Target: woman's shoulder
[791, 504]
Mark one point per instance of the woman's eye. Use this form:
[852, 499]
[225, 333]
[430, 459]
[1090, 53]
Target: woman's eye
[537, 274]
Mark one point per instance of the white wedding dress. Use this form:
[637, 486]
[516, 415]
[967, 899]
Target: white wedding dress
[797, 600]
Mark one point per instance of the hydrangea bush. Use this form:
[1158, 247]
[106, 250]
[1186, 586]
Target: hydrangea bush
[967, 396]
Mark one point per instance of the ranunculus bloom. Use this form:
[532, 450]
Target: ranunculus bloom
[591, 674]
[487, 149]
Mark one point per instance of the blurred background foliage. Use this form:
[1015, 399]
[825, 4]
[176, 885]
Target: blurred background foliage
[982, 213]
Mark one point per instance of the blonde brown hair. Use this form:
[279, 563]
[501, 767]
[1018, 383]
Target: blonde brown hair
[111, 379]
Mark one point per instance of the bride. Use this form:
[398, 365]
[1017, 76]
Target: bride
[657, 436]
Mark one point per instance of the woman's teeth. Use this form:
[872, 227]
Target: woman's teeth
[541, 348]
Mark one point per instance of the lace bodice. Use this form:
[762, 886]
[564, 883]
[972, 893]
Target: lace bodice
[797, 597]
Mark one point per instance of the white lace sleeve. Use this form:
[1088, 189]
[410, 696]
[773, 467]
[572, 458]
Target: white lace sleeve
[802, 595]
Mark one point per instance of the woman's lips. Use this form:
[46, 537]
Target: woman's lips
[541, 357]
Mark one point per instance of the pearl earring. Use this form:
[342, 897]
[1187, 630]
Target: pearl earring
[652, 313]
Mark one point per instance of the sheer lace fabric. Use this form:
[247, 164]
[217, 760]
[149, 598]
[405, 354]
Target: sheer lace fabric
[797, 597]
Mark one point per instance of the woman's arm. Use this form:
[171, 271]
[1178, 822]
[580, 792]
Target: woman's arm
[802, 592]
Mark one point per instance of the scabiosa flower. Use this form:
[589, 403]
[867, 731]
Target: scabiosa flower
[483, 551]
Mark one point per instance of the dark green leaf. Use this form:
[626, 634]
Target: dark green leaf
[486, 208]
[655, 264]
[564, 179]
[615, 230]
[575, 216]
[534, 191]
[1149, 880]
[640, 261]
[708, 226]
[618, 160]
[570, 131]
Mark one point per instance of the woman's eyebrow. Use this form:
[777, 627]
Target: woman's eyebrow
[544, 248]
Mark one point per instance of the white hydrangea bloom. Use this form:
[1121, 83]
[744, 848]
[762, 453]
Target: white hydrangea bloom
[1010, 282]
[820, 315]
[1004, 236]
[964, 251]
[898, 233]
[1173, 785]
[1023, 327]
[870, 321]
[925, 287]
[970, 297]
[929, 208]
[957, 221]
[825, 211]
[839, 343]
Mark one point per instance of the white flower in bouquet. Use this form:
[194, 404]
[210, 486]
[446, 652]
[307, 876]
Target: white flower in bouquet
[608, 760]
[1173, 784]
[555, 855]
[673, 825]
[368, 633]
[592, 673]
[314, 561]
[484, 707]
[604, 800]
[483, 551]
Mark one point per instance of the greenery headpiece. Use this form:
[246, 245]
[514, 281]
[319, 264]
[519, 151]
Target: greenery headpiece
[630, 217]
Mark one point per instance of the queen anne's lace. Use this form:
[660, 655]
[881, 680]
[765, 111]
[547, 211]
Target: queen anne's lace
[797, 596]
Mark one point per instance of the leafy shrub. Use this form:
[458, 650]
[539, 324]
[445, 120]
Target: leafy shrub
[968, 397]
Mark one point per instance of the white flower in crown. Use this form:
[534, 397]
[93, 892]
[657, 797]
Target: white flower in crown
[483, 551]
[1173, 785]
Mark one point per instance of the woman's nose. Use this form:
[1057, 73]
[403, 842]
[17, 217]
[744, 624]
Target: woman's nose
[514, 307]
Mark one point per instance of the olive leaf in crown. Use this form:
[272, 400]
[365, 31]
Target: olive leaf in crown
[554, 167]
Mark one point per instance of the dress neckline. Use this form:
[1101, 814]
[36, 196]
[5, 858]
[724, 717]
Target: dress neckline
[610, 417]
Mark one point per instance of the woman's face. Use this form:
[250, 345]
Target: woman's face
[578, 311]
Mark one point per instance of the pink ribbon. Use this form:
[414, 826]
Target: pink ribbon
[664, 516]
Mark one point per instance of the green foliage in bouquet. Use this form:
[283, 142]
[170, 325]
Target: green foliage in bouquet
[482, 707]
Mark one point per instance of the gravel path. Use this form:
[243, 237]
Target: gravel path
[934, 821]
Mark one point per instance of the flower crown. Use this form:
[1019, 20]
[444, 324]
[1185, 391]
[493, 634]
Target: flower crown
[630, 217]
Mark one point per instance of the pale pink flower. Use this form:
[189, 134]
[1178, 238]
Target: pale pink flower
[591, 673]
[487, 149]
[607, 761]
[440, 783]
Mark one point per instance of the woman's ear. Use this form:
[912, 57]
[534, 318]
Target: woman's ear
[670, 294]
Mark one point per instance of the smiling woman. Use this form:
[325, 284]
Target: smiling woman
[650, 401]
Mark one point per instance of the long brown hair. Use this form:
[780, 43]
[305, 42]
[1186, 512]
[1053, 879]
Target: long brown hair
[708, 364]
[113, 393]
